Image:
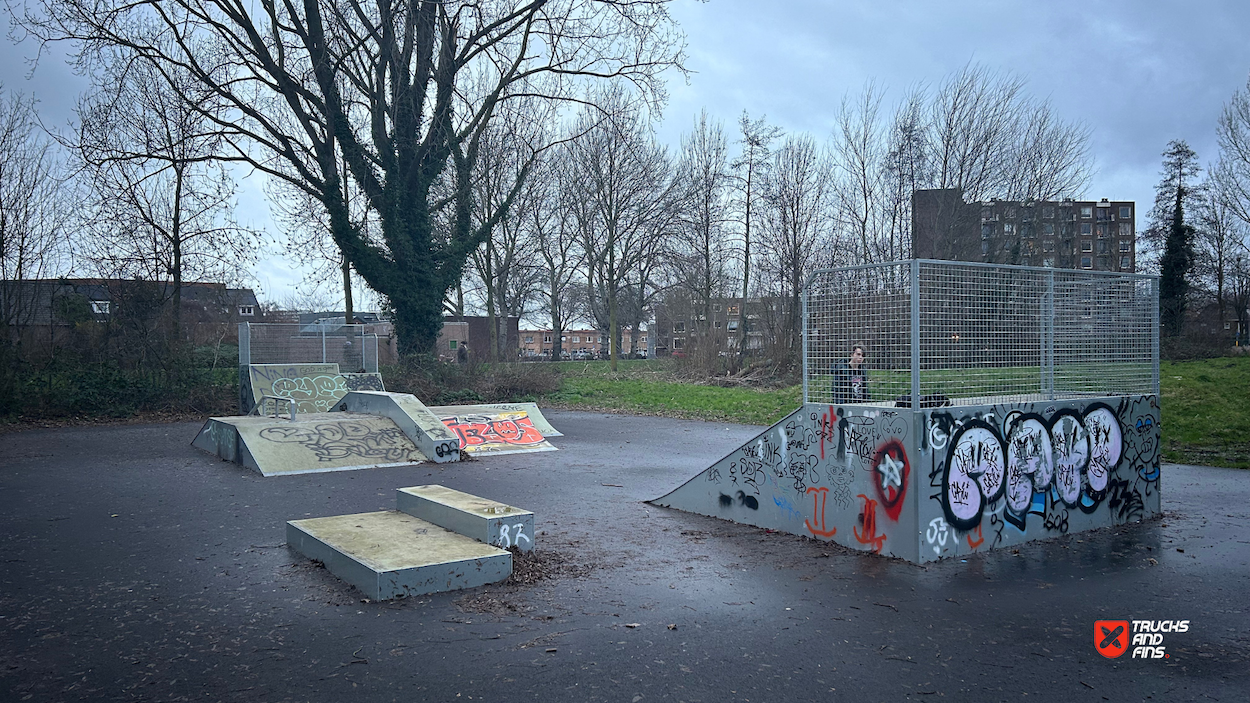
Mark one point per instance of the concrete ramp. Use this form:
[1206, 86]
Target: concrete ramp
[311, 443]
[314, 388]
[505, 428]
[932, 483]
[418, 422]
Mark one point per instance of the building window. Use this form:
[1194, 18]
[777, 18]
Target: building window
[1009, 228]
[1086, 262]
[986, 231]
[1048, 228]
[677, 342]
[642, 340]
[1011, 213]
[1048, 245]
[577, 339]
[986, 213]
[718, 324]
[547, 339]
[1125, 212]
[733, 310]
[985, 246]
[732, 325]
[679, 327]
[1125, 246]
[1125, 262]
[564, 338]
[1049, 262]
[451, 344]
[1087, 229]
[1102, 231]
[1048, 212]
[100, 307]
[1087, 245]
[1026, 215]
[247, 310]
[1126, 229]
[603, 339]
[715, 307]
[1102, 213]
[1102, 263]
[529, 339]
[1102, 246]
[1086, 212]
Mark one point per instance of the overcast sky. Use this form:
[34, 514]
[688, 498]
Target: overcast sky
[1138, 73]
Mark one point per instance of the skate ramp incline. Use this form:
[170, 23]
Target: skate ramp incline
[503, 428]
[413, 418]
[311, 443]
[935, 483]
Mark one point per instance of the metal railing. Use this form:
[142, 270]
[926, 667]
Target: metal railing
[350, 346]
[963, 333]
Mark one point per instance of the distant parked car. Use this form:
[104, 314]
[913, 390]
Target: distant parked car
[583, 355]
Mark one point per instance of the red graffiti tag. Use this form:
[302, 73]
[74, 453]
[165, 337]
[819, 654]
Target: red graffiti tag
[891, 472]
[827, 422]
[980, 540]
[818, 513]
[518, 431]
[868, 516]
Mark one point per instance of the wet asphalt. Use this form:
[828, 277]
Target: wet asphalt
[134, 567]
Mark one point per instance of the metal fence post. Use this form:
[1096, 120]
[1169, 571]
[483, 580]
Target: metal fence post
[323, 343]
[245, 343]
[806, 369]
[1048, 337]
[915, 334]
[1154, 334]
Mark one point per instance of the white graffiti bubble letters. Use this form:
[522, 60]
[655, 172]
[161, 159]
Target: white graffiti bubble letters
[1106, 445]
[1030, 462]
[1071, 443]
[974, 474]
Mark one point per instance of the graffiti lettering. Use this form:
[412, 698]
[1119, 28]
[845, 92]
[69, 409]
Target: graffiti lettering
[868, 518]
[818, 513]
[936, 534]
[339, 440]
[479, 431]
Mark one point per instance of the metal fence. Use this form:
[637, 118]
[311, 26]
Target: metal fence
[972, 334]
[349, 346]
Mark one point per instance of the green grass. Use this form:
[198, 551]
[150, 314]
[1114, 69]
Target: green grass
[1205, 403]
[1206, 411]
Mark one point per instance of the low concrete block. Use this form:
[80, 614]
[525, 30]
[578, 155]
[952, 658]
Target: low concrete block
[485, 520]
[391, 554]
[415, 420]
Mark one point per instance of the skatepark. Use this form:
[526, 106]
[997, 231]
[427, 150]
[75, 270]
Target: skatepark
[334, 542]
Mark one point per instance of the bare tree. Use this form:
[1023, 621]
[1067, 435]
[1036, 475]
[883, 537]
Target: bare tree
[752, 167]
[162, 207]
[705, 253]
[626, 209]
[800, 194]
[401, 91]
[1222, 242]
[553, 228]
[860, 150]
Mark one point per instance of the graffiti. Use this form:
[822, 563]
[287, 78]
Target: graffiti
[799, 437]
[818, 513]
[893, 473]
[1125, 504]
[979, 540]
[859, 432]
[1056, 518]
[314, 388]
[974, 474]
[517, 534]
[828, 420]
[486, 432]
[363, 382]
[936, 534]
[339, 440]
[841, 477]
[1072, 457]
[868, 518]
[787, 507]
[743, 499]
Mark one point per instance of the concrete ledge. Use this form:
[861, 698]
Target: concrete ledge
[485, 520]
[410, 415]
[390, 554]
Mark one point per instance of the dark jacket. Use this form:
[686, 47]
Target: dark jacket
[849, 385]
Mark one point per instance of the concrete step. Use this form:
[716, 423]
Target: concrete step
[485, 520]
[391, 554]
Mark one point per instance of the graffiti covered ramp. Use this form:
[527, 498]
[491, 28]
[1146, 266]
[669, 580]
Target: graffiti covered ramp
[504, 428]
[943, 482]
[338, 441]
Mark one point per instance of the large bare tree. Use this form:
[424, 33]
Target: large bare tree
[401, 91]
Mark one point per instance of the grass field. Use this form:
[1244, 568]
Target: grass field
[1205, 403]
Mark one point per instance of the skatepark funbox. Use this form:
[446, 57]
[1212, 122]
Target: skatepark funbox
[1053, 429]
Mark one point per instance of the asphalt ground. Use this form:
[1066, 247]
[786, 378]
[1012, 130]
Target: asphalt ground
[135, 567]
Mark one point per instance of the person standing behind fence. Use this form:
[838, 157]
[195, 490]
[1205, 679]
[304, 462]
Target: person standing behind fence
[462, 353]
[850, 383]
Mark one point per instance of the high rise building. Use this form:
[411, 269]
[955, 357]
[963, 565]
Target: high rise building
[1072, 234]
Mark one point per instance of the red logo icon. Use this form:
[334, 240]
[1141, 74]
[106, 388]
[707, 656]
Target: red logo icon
[1111, 637]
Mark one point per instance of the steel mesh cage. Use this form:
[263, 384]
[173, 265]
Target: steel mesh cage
[349, 346]
[965, 333]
